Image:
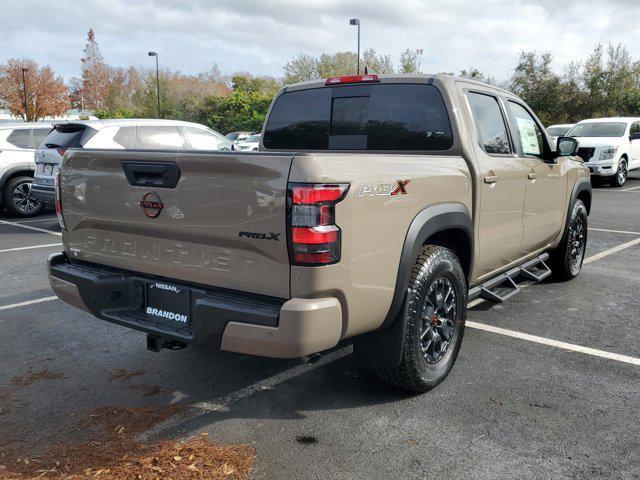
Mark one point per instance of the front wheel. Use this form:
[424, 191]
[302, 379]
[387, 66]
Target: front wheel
[567, 258]
[434, 313]
[17, 198]
[620, 178]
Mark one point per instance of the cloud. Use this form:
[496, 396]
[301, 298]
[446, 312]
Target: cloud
[260, 36]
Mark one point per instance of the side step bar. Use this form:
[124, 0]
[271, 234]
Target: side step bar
[504, 286]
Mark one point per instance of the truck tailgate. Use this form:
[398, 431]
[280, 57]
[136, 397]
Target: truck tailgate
[211, 218]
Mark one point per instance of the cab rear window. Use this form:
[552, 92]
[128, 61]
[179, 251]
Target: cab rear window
[360, 117]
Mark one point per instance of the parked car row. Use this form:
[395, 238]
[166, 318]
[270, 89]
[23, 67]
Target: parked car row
[610, 147]
[30, 153]
[245, 140]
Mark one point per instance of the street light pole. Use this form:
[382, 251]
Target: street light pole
[24, 92]
[356, 21]
[155, 54]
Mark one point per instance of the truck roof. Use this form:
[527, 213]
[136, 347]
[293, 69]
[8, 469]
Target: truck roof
[399, 78]
[610, 119]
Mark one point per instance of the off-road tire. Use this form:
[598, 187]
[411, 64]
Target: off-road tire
[9, 200]
[414, 372]
[564, 263]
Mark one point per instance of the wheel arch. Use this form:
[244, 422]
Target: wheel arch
[581, 191]
[11, 173]
[448, 225]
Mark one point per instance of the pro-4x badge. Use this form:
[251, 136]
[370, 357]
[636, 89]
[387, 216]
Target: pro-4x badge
[384, 189]
[261, 236]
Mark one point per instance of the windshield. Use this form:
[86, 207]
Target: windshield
[360, 117]
[557, 131]
[598, 129]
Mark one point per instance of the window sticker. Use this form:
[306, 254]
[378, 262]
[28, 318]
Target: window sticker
[528, 136]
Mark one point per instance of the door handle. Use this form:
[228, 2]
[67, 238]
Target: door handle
[491, 179]
[532, 176]
[143, 174]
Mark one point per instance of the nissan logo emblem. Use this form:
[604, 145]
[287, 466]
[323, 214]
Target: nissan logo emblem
[151, 204]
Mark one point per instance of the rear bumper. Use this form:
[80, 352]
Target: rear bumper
[225, 319]
[42, 194]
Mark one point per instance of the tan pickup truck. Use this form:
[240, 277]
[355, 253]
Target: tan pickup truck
[376, 208]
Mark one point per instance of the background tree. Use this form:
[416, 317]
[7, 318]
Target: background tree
[47, 93]
[535, 82]
[410, 61]
[376, 63]
[95, 74]
[244, 109]
[300, 69]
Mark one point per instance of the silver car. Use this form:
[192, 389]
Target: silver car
[127, 134]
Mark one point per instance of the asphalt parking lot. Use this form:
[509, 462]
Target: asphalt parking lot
[525, 399]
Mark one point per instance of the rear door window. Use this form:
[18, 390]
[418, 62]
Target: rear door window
[490, 123]
[360, 117]
[126, 137]
[159, 138]
[201, 139]
[19, 138]
[37, 136]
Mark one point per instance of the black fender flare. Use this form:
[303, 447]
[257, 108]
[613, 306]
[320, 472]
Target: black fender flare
[383, 347]
[583, 184]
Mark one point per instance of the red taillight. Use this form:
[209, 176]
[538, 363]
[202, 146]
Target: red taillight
[352, 79]
[59, 202]
[314, 236]
[61, 151]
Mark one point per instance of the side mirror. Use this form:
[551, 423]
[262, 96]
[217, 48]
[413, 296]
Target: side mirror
[634, 136]
[567, 147]
[233, 147]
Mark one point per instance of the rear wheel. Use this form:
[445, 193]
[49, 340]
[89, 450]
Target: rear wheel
[620, 178]
[434, 311]
[17, 198]
[567, 258]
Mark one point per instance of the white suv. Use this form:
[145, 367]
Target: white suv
[18, 143]
[130, 134]
[610, 147]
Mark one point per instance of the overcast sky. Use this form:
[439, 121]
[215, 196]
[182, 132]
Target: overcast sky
[260, 36]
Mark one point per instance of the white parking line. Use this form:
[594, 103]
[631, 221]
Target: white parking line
[30, 248]
[613, 231]
[35, 220]
[629, 189]
[555, 343]
[28, 302]
[225, 401]
[611, 251]
[28, 227]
